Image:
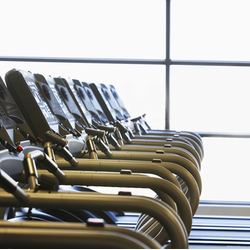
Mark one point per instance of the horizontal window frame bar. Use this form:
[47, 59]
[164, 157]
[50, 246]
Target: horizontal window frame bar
[126, 61]
[224, 135]
[143, 62]
[225, 203]
[84, 60]
[223, 209]
[210, 63]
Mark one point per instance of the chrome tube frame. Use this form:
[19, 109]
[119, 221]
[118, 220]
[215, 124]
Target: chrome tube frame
[168, 218]
[133, 180]
[8, 231]
[162, 170]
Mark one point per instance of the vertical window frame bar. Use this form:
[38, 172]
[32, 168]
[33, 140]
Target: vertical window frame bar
[167, 67]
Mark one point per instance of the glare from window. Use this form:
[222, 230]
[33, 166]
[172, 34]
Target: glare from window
[210, 30]
[211, 99]
[225, 169]
[83, 28]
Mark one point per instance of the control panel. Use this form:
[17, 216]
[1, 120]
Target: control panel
[95, 103]
[105, 99]
[71, 96]
[87, 102]
[119, 101]
[59, 106]
[31, 102]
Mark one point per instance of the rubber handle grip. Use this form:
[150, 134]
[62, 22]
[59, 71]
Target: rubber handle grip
[57, 139]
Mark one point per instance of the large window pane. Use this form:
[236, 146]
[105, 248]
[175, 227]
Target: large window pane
[210, 30]
[211, 99]
[141, 87]
[83, 28]
[225, 169]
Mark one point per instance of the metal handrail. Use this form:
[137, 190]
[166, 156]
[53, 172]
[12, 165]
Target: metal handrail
[155, 208]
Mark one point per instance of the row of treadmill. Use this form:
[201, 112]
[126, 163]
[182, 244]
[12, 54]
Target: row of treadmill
[62, 142]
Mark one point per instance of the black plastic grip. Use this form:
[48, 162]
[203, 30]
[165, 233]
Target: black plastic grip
[95, 132]
[113, 142]
[51, 166]
[65, 153]
[57, 139]
[7, 183]
[104, 148]
[127, 138]
[135, 119]
[107, 128]
[121, 127]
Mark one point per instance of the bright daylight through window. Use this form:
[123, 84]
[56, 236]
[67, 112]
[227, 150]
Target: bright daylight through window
[203, 98]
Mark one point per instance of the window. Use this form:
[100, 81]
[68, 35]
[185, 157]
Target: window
[210, 30]
[209, 98]
[209, 83]
[198, 77]
[225, 169]
[77, 29]
[84, 28]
